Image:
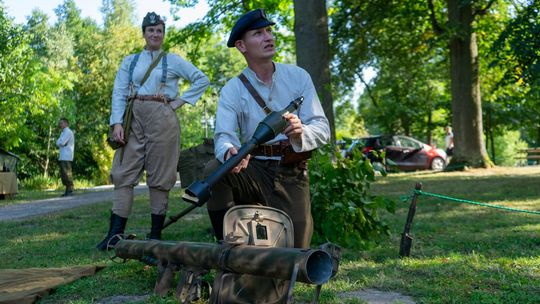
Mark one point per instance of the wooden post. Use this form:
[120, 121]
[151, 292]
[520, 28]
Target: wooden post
[406, 239]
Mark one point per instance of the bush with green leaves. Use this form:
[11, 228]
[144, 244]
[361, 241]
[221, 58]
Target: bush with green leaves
[343, 208]
[507, 144]
[40, 182]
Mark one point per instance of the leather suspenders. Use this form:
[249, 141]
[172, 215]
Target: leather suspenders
[163, 55]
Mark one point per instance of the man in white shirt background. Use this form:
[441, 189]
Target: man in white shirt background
[66, 144]
[449, 141]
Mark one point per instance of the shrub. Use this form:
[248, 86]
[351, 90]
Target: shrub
[344, 211]
[507, 145]
[40, 182]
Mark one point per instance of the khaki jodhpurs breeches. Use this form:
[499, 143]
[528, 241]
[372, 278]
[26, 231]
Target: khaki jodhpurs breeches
[153, 145]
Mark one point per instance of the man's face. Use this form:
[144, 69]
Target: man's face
[61, 124]
[154, 37]
[257, 44]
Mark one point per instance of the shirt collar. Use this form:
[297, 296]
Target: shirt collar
[152, 54]
[252, 74]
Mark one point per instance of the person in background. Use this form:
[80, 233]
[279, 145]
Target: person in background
[266, 176]
[66, 145]
[154, 135]
[449, 141]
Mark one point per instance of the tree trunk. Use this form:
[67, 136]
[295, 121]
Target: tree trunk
[429, 137]
[313, 51]
[490, 138]
[538, 137]
[469, 148]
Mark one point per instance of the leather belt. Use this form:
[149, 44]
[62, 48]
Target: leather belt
[156, 98]
[267, 151]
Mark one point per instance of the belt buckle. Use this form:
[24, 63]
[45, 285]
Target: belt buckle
[269, 147]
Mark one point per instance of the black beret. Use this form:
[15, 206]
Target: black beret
[249, 21]
[152, 19]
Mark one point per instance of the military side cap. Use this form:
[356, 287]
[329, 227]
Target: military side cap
[152, 19]
[249, 21]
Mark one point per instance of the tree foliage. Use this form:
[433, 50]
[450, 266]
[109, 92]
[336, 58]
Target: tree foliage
[221, 17]
[517, 50]
[406, 43]
[409, 91]
[36, 76]
[68, 69]
[15, 70]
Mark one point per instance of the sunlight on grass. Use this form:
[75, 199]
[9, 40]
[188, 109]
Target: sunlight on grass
[47, 237]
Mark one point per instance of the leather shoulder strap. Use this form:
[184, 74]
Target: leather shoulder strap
[151, 67]
[254, 93]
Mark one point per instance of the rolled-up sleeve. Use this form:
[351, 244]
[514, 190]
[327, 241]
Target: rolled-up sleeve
[198, 80]
[316, 130]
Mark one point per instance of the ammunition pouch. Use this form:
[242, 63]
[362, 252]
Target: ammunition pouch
[257, 226]
[291, 157]
[126, 124]
[111, 141]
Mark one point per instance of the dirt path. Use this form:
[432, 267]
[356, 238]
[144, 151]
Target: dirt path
[25, 210]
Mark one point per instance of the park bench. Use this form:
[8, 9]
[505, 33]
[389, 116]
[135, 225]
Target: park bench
[531, 155]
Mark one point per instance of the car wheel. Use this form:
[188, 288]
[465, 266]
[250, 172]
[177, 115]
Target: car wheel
[438, 164]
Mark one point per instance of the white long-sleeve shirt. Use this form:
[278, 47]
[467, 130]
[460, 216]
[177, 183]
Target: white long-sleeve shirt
[177, 68]
[66, 143]
[238, 111]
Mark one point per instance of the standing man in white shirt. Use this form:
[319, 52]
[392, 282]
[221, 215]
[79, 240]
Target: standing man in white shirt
[266, 177]
[66, 144]
[153, 143]
[449, 141]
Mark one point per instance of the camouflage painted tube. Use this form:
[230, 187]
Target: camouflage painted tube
[315, 266]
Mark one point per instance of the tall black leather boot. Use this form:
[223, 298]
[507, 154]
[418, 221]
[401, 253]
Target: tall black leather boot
[116, 226]
[155, 234]
[157, 225]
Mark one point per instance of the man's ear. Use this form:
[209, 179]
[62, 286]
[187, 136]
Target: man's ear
[240, 45]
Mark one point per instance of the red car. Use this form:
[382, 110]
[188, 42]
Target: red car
[406, 152]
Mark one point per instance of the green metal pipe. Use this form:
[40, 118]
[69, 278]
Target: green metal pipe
[315, 266]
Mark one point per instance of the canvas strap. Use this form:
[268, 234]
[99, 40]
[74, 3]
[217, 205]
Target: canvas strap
[254, 93]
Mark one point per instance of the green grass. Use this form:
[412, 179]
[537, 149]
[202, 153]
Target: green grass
[42, 188]
[461, 253]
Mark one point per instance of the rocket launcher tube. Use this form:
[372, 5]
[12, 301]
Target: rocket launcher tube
[314, 265]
